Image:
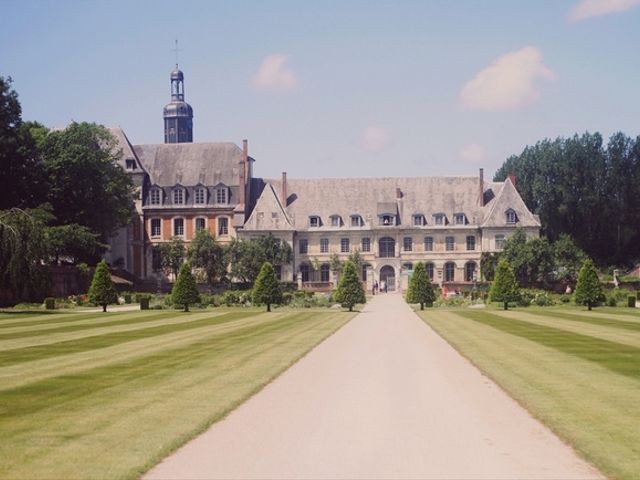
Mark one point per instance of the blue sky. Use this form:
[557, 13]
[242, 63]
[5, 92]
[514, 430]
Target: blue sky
[336, 88]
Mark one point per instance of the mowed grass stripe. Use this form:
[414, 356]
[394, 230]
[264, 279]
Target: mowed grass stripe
[149, 407]
[24, 373]
[615, 335]
[577, 317]
[8, 320]
[621, 359]
[58, 345]
[586, 404]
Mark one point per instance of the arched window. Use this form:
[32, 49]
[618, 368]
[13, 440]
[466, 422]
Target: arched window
[449, 272]
[429, 268]
[387, 247]
[511, 217]
[469, 271]
[304, 272]
[324, 272]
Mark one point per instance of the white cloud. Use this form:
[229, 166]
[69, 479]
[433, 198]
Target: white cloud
[473, 153]
[275, 74]
[375, 139]
[595, 8]
[508, 83]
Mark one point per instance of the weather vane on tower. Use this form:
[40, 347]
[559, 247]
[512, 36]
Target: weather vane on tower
[176, 49]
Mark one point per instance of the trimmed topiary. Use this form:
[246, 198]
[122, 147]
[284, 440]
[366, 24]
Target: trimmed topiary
[588, 289]
[350, 290]
[420, 287]
[102, 292]
[631, 301]
[50, 303]
[185, 291]
[504, 287]
[144, 302]
[267, 289]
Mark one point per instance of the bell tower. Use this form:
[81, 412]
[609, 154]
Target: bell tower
[178, 114]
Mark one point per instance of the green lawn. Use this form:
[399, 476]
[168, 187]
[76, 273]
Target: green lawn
[93, 395]
[576, 371]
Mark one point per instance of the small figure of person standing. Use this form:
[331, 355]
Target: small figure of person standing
[375, 287]
[383, 286]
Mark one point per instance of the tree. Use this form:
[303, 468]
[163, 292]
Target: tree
[568, 258]
[185, 290]
[102, 292]
[74, 241]
[488, 264]
[172, 255]
[267, 288]
[588, 289]
[247, 256]
[86, 185]
[350, 290]
[504, 287]
[206, 253]
[420, 287]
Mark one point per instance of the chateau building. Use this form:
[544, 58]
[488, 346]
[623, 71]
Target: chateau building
[182, 187]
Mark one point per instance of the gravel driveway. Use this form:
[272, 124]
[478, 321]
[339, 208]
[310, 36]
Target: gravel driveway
[384, 397]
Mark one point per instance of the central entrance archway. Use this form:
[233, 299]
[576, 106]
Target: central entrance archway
[388, 275]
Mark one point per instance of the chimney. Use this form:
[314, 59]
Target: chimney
[481, 185]
[512, 177]
[398, 194]
[284, 189]
[243, 172]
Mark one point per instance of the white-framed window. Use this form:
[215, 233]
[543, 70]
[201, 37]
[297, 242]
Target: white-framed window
[499, 239]
[336, 221]
[440, 219]
[324, 245]
[178, 196]
[314, 221]
[221, 196]
[356, 221]
[459, 219]
[512, 218]
[178, 227]
[471, 242]
[419, 220]
[407, 244]
[223, 226]
[200, 223]
[428, 244]
[344, 245]
[156, 227]
[450, 244]
[303, 245]
[154, 196]
[366, 244]
[200, 196]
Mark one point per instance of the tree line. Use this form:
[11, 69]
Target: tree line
[585, 189]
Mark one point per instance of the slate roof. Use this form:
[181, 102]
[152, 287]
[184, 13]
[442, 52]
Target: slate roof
[124, 145]
[190, 164]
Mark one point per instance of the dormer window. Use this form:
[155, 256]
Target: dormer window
[459, 219]
[387, 220]
[200, 196]
[512, 218]
[356, 221]
[314, 221]
[154, 196]
[440, 219]
[221, 195]
[336, 221]
[130, 164]
[178, 196]
[419, 220]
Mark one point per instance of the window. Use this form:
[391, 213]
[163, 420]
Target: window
[512, 218]
[470, 272]
[324, 272]
[156, 227]
[356, 221]
[449, 272]
[155, 197]
[428, 244]
[200, 196]
[156, 259]
[499, 242]
[407, 266]
[440, 219]
[366, 244]
[314, 221]
[303, 245]
[471, 242]
[419, 220]
[131, 164]
[304, 272]
[200, 223]
[223, 226]
[336, 221]
[450, 244]
[324, 245]
[459, 219]
[365, 267]
[344, 245]
[221, 195]
[387, 220]
[178, 196]
[429, 267]
[387, 247]
[178, 227]
[407, 244]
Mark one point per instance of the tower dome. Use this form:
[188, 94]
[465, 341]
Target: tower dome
[178, 114]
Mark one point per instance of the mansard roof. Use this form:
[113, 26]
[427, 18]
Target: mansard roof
[190, 163]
